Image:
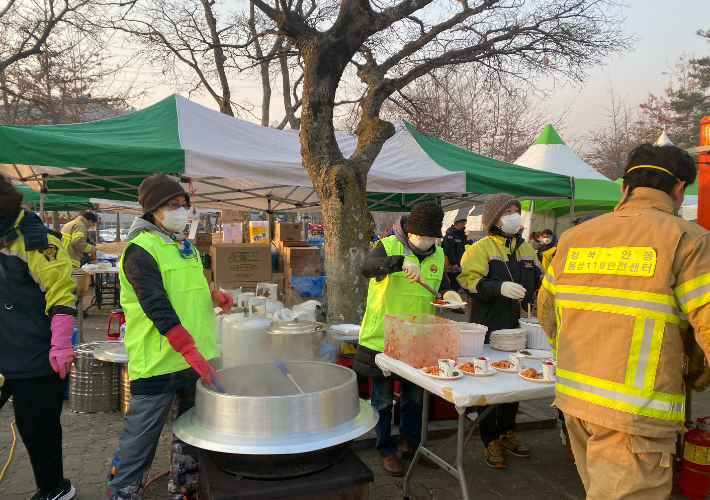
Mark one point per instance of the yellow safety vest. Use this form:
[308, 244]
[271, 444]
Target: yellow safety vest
[396, 295]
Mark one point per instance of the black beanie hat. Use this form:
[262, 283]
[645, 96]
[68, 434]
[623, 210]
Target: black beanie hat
[425, 219]
[156, 190]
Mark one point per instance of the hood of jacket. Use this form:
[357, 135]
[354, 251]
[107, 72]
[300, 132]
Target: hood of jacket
[642, 198]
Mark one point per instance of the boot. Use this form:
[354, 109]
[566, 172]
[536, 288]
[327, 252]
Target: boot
[392, 465]
[408, 451]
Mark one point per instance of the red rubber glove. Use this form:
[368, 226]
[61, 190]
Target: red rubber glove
[223, 300]
[61, 354]
[181, 340]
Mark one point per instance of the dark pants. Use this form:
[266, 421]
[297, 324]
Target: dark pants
[37, 403]
[498, 422]
[410, 414]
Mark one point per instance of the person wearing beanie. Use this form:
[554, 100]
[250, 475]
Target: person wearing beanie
[36, 326]
[501, 272]
[170, 339]
[393, 267]
[454, 245]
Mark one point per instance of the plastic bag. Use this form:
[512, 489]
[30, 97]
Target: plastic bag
[327, 353]
[308, 286]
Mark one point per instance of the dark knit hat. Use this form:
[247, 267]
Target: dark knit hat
[157, 190]
[495, 206]
[425, 219]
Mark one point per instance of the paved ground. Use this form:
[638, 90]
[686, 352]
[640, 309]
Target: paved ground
[89, 441]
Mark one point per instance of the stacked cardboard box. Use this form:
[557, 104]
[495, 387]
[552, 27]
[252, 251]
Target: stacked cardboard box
[295, 258]
[240, 265]
[203, 242]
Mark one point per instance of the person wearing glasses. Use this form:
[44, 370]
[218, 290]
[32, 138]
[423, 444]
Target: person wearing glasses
[170, 338]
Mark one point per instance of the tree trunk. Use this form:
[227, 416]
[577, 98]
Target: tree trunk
[348, 226]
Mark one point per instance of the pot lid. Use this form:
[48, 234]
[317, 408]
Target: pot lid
[295, 327]
[114, 352]
[90, 347]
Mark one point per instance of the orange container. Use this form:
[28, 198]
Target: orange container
[421, 339]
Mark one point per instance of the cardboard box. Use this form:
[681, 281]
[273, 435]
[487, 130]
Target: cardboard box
[258, 232]
[240, 262]
[300, 271]
[203, 239]
[288, 231]
[302, 257]
[217, 238]
[208, 275]
[246, 286]
[280, 280]
[232, 232]
[231, 215]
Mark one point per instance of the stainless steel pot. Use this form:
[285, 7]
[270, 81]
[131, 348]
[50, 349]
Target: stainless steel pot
[263, 414]
[81, 278]
[94, 386]
[296, 340]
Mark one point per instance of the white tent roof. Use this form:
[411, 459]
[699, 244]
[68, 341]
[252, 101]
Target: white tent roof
[550, 153]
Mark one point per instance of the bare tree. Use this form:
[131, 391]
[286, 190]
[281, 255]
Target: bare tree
[391, 44]
[494, 115]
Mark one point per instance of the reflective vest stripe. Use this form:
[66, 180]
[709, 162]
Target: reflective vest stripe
[693, 293]
[619, 301]
[654, 298]
[644, 353]
[621, 397]
[88, 248]
[610, 308]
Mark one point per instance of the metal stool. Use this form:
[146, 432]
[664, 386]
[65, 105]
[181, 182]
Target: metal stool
[118, 314]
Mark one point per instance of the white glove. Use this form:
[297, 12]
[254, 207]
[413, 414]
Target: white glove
[512, 290]
[411, 270]
[453, 296]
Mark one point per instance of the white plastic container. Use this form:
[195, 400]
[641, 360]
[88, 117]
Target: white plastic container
[471, 340]
[536, 338]
[244, 342]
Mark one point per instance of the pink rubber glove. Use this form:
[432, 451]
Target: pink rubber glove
[61, 354]
[181, 340]
[223, 300]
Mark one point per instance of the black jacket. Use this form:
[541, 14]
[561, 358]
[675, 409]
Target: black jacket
[25, 318]
[454, 245]
[143, 273]
[492, 309]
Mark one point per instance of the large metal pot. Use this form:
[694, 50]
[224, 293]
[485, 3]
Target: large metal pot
[264, 419]
[296, 340]
[94, 386]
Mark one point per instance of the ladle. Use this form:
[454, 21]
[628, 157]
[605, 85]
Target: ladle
[285, 371]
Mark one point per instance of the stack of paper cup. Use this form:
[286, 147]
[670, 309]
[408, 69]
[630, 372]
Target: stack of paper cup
[471, 339]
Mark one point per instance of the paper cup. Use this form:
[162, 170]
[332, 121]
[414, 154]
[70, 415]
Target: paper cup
[549, 370]
[480, 364]
[517, 360]
[447, 367]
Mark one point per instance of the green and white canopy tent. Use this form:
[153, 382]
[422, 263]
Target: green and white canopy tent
[592, 191]
[39, 202]
[240, 165]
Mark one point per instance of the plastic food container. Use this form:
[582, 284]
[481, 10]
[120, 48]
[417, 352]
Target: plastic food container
[421, 339]
[471, 340]
[536, 338]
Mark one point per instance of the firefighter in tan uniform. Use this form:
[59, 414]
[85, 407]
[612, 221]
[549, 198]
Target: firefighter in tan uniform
[75, 235]
[616, 304]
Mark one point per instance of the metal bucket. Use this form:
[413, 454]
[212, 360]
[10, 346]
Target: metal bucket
[125, 395]
[94, 386]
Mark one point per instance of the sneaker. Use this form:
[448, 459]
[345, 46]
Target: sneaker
[494, 455]
[65, 491]
[512, 445]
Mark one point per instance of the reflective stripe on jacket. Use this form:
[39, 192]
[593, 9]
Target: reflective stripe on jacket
[396, 295]
[74, 235]
[148, 352]
[614, 304]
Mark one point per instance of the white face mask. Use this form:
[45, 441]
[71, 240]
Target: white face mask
[422, 242]
[175, 220]
[511, 223]
[547, 241]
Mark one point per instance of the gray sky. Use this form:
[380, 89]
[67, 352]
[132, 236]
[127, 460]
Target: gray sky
[664, 28]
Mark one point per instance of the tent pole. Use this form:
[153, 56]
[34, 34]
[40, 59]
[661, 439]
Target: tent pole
[118, 226]
[55, 220]
[270, 218]
[571, 212]
[41, 207]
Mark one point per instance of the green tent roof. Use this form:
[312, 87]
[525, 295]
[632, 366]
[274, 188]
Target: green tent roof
[548, 136]
[53, 201]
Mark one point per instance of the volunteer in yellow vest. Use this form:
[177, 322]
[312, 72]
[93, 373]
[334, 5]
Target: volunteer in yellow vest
[170, 335]
[393, 267]
[75, 235]
[501, 273]
[615, 304]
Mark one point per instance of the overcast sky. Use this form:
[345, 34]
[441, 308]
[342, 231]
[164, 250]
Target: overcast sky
[664, 28]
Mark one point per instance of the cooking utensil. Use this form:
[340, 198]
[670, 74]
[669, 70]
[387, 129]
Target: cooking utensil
[430, 290]
[295, 340]
[218, 385]
[285, 371]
